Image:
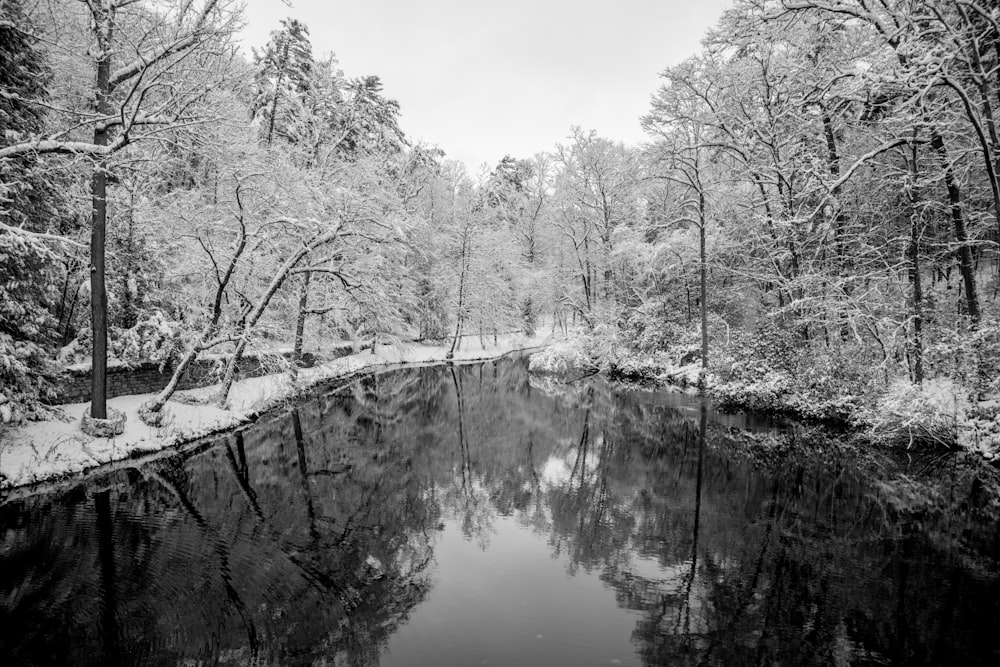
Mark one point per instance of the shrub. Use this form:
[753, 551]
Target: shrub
[764, 391]
[26, 377]
[153, 338]
[562, 358]
[928, 414]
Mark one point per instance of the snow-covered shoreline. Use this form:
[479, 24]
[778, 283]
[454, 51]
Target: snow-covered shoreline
[54, 451]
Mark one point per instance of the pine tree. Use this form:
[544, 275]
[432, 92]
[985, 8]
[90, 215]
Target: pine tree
[28, 201]
[282, 79]
[371, 121]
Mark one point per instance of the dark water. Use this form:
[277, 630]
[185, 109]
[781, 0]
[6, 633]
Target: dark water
[470, 517]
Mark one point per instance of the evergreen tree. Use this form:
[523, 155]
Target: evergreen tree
[283, 79]
[28, 201]
[371, 121]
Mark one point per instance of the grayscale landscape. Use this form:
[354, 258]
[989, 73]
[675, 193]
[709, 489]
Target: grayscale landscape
[544, 333]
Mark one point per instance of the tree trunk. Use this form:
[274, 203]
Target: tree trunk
[965, 266]
[918, 297]
[63, 300]
[99, 216]
[840, 254]
[917, 293]
[300, 325]
[68, 322]
[703, 271]
[149, 411]
[985, 145]
[156, 405]
[461, 296]
[230, 375]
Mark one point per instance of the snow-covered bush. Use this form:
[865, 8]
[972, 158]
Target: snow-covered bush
[752, 355]
[602, 344]
[832, 385]
[972, 360]
[659, 367]
[981, 432]
[25, 379]
[638, 366]
[753, 372]
[562, 358]
[769, 369]
[763, 390]
[153, 338]
[72, 353]
[648, 328]
[927, 414]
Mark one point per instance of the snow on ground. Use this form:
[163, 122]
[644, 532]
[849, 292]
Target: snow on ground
[40, 451]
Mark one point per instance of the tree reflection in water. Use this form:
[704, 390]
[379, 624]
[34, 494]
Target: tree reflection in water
[311, 536]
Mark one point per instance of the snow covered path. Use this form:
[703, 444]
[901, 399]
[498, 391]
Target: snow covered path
[49, 450]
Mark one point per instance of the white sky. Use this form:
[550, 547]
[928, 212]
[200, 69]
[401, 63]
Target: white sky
[484, 79]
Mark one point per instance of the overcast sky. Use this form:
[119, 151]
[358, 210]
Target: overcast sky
[484, 79]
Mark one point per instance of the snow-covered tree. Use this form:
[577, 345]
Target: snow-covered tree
[31, 216]
[152, 69]
[371, 121]
[282, 80]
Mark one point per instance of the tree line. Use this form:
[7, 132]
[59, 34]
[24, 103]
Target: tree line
[819, 195]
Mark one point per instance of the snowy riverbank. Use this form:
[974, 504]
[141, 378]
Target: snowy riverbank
[49, 450]
[938, 415]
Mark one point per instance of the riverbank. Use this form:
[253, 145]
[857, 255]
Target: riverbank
[937, 415]
[50, 450]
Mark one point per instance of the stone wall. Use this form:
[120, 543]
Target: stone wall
[146, 377]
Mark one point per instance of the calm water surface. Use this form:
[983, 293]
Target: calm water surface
[474, 516]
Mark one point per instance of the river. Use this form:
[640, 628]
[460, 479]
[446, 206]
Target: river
[475, 515]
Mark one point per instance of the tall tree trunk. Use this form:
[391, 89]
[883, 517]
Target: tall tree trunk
[917, 292]
[609, 292]
[703, 271]
[833, 164]
[985, 146]
[917, 295]
[981, 79]
[99, 217]
[965, 265]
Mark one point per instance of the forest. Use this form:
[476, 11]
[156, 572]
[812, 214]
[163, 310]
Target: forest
[811, 227]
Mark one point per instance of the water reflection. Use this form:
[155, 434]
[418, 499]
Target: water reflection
[455, 515]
